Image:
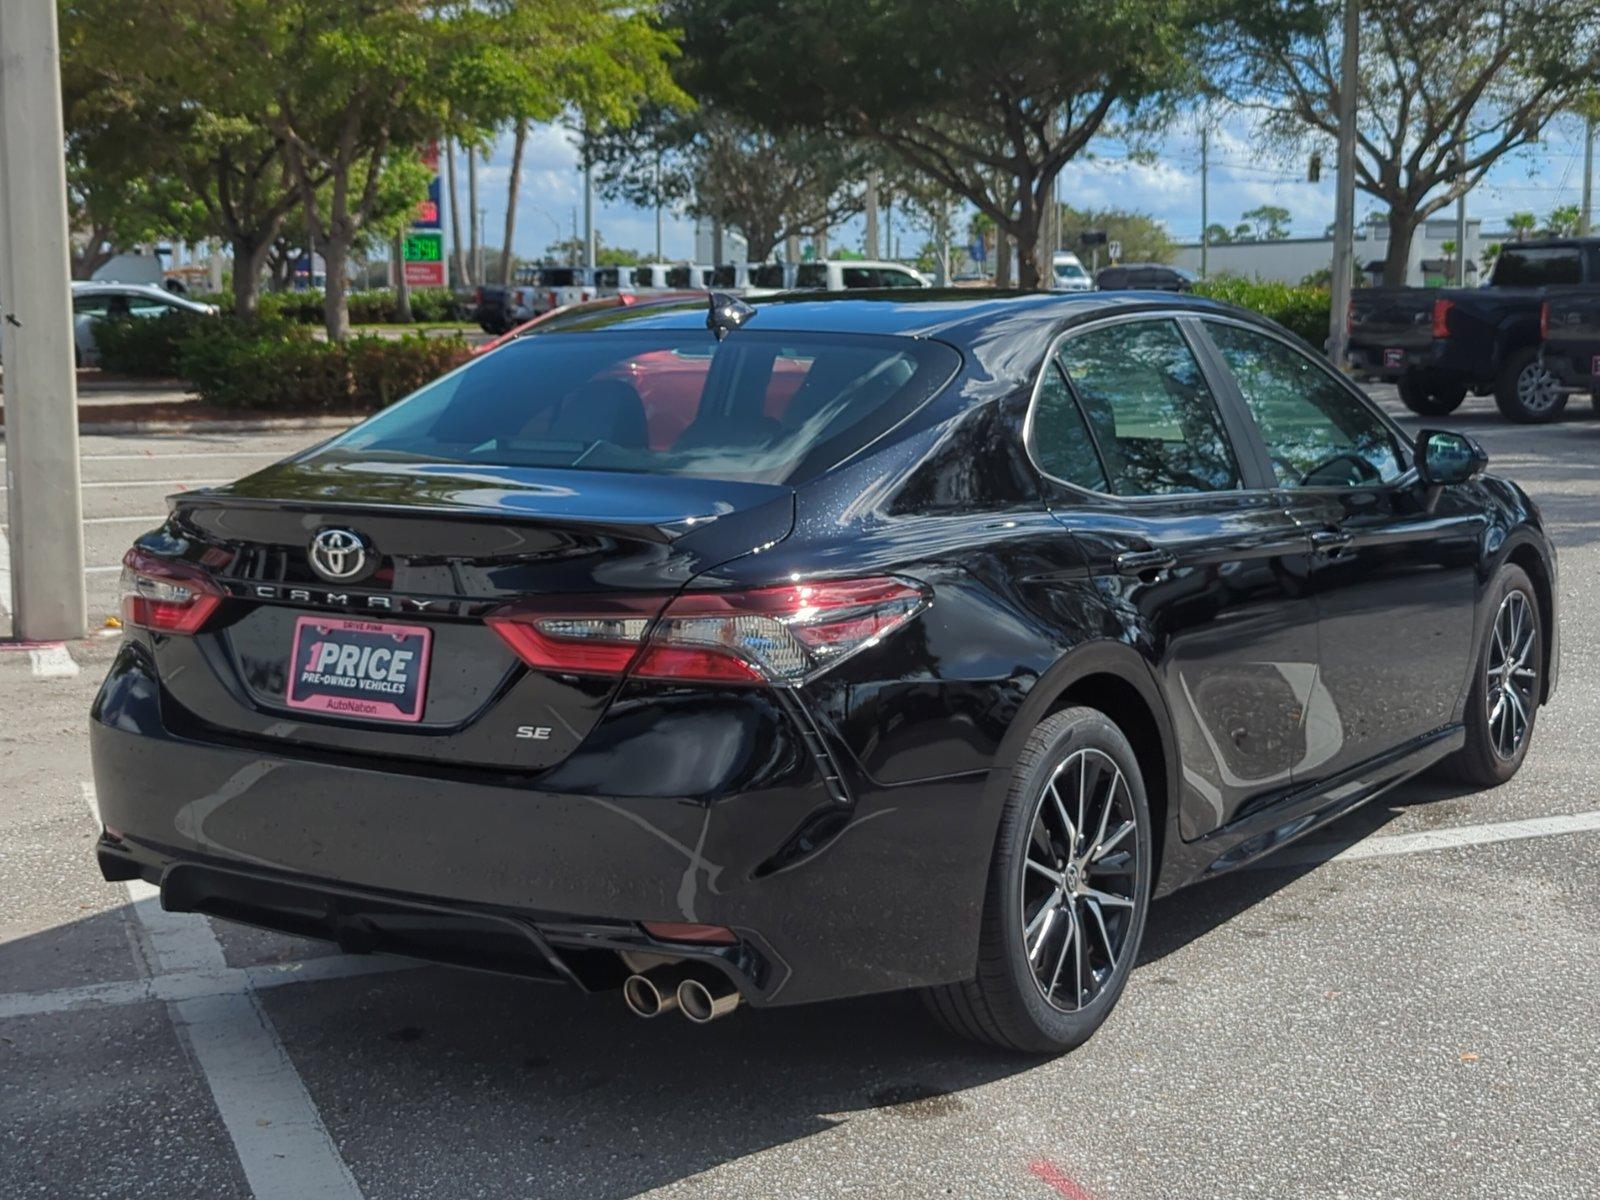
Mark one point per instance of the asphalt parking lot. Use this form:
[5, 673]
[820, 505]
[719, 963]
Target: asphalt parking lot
[1407, 1007]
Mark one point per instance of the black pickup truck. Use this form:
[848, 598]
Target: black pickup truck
[1439, 344]
[1570, 326]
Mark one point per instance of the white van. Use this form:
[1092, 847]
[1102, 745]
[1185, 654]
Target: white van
[844, 275]
[1067, 273]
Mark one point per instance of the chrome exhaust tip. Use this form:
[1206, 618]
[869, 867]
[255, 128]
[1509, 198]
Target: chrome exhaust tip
[647, 997]
[704, 1000]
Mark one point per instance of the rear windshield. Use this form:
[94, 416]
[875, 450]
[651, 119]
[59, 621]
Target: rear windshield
[763, 407]
[1537, 266]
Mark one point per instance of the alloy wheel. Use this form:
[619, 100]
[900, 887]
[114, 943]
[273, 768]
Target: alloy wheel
[1537, 389]
[1079, 879]
[1511, 675]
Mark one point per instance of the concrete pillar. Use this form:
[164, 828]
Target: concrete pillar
[45, 522]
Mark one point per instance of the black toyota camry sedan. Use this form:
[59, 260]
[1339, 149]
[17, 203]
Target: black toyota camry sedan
[721, 654]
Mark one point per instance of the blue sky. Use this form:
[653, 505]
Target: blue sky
[1168, 188]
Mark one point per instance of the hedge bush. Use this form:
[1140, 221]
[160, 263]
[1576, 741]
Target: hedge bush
[372, 307]
[301, 374]
[274, 363]
[1296, 307]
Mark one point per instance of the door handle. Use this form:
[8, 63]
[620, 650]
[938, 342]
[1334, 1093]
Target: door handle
[1145, 562]
[1331, 542]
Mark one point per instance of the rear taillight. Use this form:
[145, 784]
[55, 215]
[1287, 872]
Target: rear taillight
[166, 596]
[1544, 321]
[782, 635]
[1441, 317]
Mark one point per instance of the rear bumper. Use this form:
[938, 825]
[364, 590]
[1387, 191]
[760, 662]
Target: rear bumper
[1389, 362]
[831, 895]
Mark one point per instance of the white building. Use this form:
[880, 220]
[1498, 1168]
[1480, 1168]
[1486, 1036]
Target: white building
[1290, 260]
[735, 248]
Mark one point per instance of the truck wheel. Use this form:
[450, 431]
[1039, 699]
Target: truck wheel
[1526, 391]
[1428, 398]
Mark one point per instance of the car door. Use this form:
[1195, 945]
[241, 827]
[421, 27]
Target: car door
[1186, 544]
[1394, 578]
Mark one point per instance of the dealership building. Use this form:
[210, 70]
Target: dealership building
[1290, 260]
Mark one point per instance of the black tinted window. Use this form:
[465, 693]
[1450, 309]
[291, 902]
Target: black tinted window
[767, 275]
[811, 275]
[772, 408]
[1317, 433]
[1061, 440]
[723, 276]
[558, 277]
[1537, 266]
[677, 277]
[1154, 419]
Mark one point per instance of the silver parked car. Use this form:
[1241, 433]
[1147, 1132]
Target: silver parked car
[94, 301]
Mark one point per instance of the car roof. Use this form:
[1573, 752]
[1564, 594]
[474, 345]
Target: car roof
[955, 315]
[111, 285]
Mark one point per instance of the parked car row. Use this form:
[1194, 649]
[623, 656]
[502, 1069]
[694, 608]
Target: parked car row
[1438, 344]
[542, 289]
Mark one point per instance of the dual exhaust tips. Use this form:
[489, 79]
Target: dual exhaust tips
[700, 993]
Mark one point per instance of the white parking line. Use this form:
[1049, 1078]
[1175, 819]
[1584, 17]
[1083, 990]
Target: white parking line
[1453, 838]
[123, 483]
[5, 570]
[277, 1132]
[155, 520]
[52, 662]
[181, 454]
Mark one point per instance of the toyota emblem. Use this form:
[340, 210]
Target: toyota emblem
[338, 554]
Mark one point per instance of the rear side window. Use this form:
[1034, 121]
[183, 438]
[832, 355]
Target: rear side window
[1537, 266]
[771, 408]
[811, 275]
[1061, 439]
[1154, 419]
[767, 275]
[723, 276]
[677, 277]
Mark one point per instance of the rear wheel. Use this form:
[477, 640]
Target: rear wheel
[1506, 686]
[1429, 398]
[1069, 888]
[1527, 391]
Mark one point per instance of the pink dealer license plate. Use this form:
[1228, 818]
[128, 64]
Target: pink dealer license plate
[369, 670]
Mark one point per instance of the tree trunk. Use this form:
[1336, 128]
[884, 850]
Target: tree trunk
[457, 262]
[1402, 226]
[1002, 259]
[249, 257]
[870, 238]
[402, 287]
[335, 290]
[514, 186]
[1028, 249]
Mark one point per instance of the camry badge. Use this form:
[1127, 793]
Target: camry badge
[338, 554]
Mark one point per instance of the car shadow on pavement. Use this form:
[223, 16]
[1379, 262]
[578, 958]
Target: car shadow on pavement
[1177, 920]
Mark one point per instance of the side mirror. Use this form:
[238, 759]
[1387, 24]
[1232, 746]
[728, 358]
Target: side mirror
[1445, 458]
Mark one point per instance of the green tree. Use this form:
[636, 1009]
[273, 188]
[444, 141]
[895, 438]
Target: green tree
[1448, 88]
[1218, 235]
[1143, 238]
[1522, 225]
[1268, 222]
[988, 100]
[1563, 220]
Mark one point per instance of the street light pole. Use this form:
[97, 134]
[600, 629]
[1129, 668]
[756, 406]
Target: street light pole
[1205, 198]
[1344, 209]
[45, 521]
[1586, 212]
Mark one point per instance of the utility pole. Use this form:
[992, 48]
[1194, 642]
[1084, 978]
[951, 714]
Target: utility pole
[1344, 209]
[658, 206]
[45, 507]
[1461, 225]
[1205, 197]
[588, 206]
[473, 236]
[871, 247]
[1586, 211]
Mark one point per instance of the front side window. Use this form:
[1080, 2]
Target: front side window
[762, 407]
[892, 277]
[1155, 421]
[1317, 434]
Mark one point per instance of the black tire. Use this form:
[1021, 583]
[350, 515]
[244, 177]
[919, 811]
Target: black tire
[1526, 392]
[1006, 1004]
[1428, 398]
[1485, 761]
[1594, 401]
